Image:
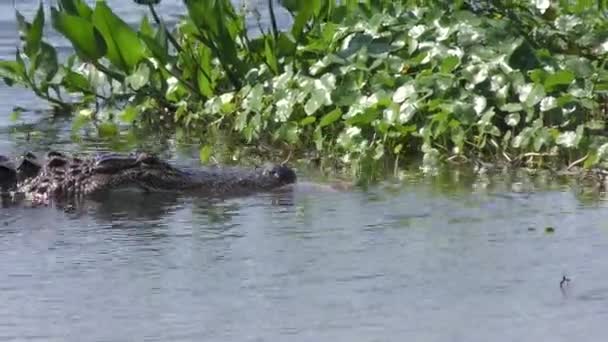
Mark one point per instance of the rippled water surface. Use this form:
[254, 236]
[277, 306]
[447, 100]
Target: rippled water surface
[422, 260]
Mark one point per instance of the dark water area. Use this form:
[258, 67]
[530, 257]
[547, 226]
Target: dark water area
[447, 258]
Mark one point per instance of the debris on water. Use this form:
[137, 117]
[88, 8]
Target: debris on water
[531, 229]
[549, 230]
[564, 281]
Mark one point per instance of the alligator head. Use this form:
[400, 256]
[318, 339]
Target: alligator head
[153, 174]
[62, 177]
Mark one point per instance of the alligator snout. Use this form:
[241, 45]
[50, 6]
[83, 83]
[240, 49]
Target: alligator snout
[284, 174]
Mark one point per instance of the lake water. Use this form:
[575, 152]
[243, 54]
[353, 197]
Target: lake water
[425, 259]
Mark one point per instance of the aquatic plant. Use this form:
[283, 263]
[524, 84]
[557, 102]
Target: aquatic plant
[357, 82]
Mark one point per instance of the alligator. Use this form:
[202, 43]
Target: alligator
[63, 177]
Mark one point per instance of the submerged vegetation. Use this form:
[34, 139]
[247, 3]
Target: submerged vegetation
[355, 82]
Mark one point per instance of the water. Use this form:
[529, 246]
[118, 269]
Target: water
[443, 259]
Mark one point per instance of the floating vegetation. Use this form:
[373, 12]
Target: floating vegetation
[355, 83]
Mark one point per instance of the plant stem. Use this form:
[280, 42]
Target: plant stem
[178, 48]
[169, 35]
[113, 74]
[273, 20]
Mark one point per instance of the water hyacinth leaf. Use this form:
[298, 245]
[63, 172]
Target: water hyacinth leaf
[580, 66]
[34, 34]
[75, 82]
[542, 138]
[320, 94]
[523, 138]
[124, 49]
[314, 103]
[46, 61]
[536, 94]
[512, 107]
[284, 108]
[330, 118]
[12, 71]
[23, 26]
[548, 103]
[77, 8]
[305, 11]
[542, 5]
[129, 114]
[107, 129]
[567, 139]
[81, 120]
[253, 101]
[289, 132]
[85, 38]
[205, 153]
[476, 74]
[271, 58]
[204, 85]
[145, 28]
[139, 78]
[449, 64]
[391, 114]
[513, 119]
[157, 46]
[406, 112]
[479, 104]
[598, 125]
[562, 77]
[308, 120]
[404, 92]
[16, 114]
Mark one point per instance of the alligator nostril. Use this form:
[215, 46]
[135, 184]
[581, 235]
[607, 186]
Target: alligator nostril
[285, 174]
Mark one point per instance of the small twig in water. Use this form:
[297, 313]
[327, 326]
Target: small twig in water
[576, 162]
[564, 281]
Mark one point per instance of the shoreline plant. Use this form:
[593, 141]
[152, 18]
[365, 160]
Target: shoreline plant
[353, 82]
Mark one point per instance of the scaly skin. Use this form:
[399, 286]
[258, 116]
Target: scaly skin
[62, 177]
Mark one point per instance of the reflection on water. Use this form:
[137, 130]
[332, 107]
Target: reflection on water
[453, 257]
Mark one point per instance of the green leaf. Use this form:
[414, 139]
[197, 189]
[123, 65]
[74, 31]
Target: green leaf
[512, 107]
[75, 82]
[125, 50]
[16, 114]
[405, 91]
[303, 16]
[308, 120]
[271, 59]
[46, 61]
[85, 38]
[80, 121]
[12, 70]
[107, 129]
[157, 51]
[139, 78]
[562, 77]
[204, 86]
[77, 8]
[449, 64]
[145, 28]
[34, 34]
[568, 139]
[330, 118]
[129, 114]
[512, 119]
[23, 25]
[205, 153]
[157, 43]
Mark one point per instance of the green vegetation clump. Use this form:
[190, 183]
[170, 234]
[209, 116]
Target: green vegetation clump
[357, 82]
